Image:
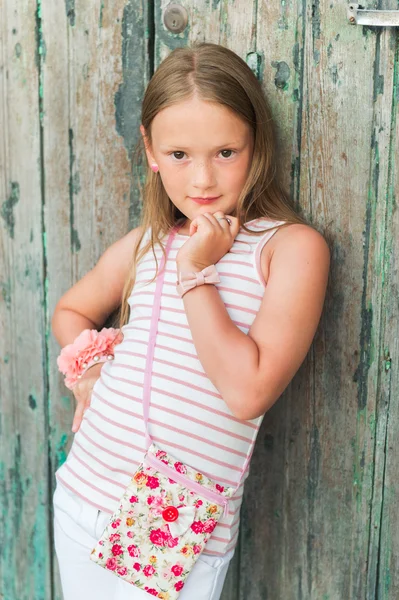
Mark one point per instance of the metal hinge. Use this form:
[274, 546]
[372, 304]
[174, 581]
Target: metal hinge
[358, 15]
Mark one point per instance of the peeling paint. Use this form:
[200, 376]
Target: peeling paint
[131, 89]
[70, 11]
[39, 548]
[282, 76]
[100, 24]
[32, 401]
[254, 61]
[61, 454]
[316, 19]
[6, 292]
[334, 73]
[74, 188]
[7, 209]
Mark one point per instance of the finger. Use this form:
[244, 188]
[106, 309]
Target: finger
[224, 223]
[201, 222]
[212, 219]
[77, 419]
[222, 220]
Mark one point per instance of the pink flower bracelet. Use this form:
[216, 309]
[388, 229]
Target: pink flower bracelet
[89, 348]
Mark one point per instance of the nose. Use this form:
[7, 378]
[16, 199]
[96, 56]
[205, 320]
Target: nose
[203, 176]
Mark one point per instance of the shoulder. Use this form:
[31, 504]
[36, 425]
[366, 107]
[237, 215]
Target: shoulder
[295, 243]
[119, 255]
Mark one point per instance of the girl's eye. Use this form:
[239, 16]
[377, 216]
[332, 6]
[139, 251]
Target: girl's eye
[182, 153]
[177, 152]
[227, 151]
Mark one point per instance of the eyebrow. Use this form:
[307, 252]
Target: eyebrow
[171, 147]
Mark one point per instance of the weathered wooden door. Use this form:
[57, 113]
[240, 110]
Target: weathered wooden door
[320, 514]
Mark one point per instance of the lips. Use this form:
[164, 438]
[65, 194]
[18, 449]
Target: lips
[205, 200]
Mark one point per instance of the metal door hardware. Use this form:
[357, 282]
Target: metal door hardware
[358, 15]
[175, 18]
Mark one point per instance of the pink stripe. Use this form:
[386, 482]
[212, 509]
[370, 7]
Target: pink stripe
[113, 439]
[174, 324]
[116, 483]
[187, 326]
[128, 396]
[180, 311]
[142, 306]
[187, 384]
[181, 352]
[166, 426]
[115, 423]
[94, 487]
[237, 276]
[201, 439]
[219, 539]
[140, 292]
[248, 310]
[167, 335]
[215, 553]
[208, 408]
[103, 464]
[140, 318]
[125, 411]
[204, 456]
[243, 293]
[130, 353]
[229, 261]
[188, 369]
[106, 510]
[227, 525]
[170, 411]
[106, 450]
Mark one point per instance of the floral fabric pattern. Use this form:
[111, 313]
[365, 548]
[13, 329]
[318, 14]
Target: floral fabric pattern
[161, 526]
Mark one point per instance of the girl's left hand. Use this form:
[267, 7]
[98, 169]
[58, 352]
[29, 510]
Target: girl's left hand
[211, 237]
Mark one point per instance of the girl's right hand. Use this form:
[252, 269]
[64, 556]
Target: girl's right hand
[82, 391]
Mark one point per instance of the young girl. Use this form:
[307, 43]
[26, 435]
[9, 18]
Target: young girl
[252, 277]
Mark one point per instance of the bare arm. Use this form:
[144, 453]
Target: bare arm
[251, 371]
[88, 303]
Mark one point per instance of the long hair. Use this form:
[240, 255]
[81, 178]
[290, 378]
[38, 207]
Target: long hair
[215, 74]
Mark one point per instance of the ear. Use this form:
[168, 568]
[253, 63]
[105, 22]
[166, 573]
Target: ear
[147, 145]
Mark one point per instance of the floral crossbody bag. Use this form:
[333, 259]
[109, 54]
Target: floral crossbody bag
[167, 512]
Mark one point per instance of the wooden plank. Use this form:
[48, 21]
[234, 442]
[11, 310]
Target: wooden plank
[267, 557]
[386, 521]
[94, 75]
[377, 281]
[25, 556]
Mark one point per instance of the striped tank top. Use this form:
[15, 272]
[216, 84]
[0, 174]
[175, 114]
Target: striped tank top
[187, 415]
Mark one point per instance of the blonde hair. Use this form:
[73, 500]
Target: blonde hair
[215, 74]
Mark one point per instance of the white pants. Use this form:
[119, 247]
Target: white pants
[77, 528]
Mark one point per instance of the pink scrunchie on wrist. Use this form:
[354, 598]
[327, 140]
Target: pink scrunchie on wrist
[90, 347]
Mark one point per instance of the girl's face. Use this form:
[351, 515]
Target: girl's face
[203, 150]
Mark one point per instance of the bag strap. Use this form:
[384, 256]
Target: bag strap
[151, 349]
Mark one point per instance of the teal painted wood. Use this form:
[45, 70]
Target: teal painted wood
[319, 517]
[25, 559]
[94, 75]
